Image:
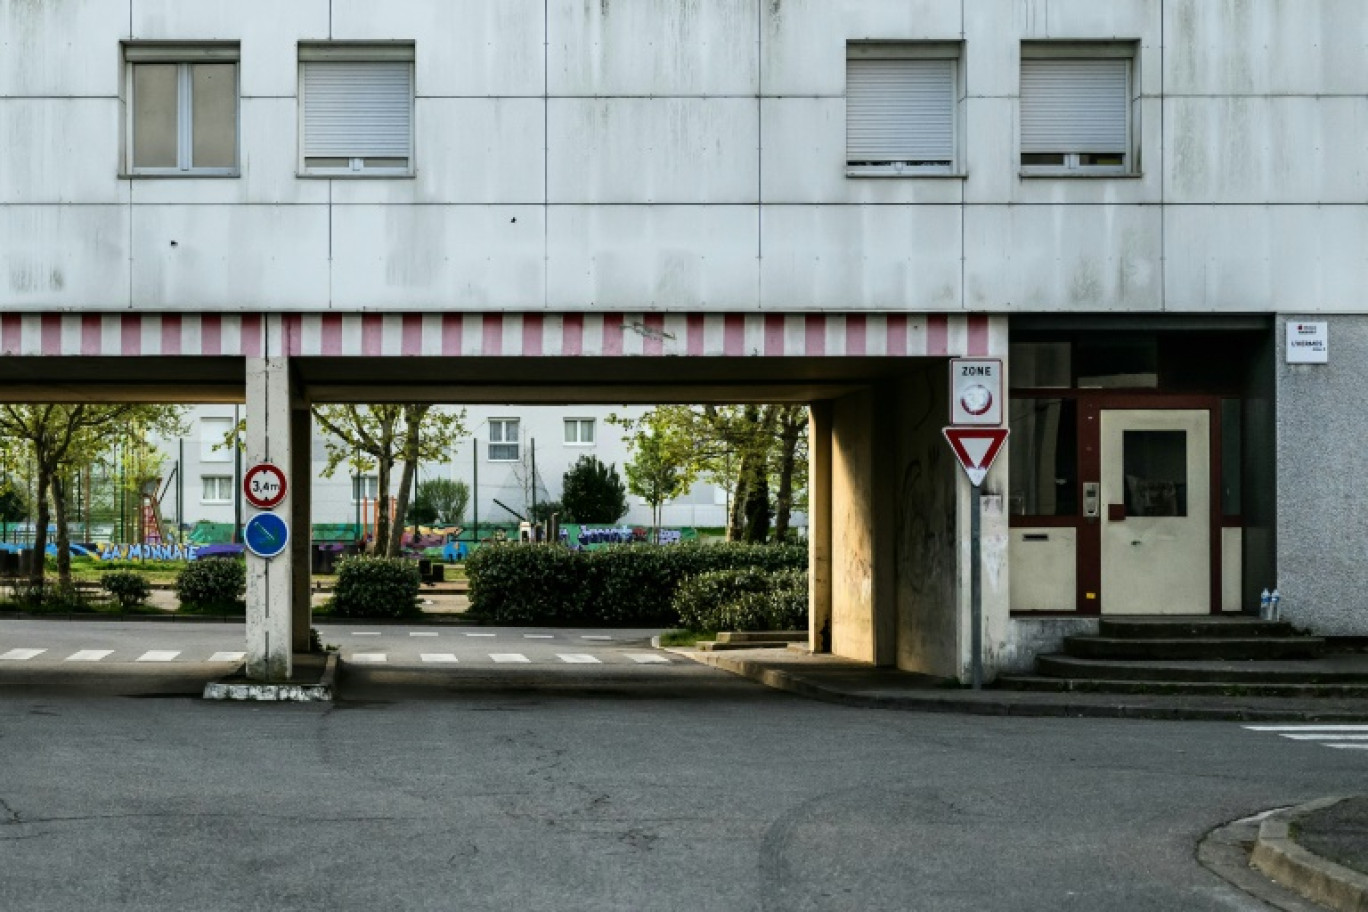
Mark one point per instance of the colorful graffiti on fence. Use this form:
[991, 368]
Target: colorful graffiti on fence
[111, 552]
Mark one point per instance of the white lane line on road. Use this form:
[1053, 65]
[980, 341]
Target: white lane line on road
[21, 655]
[365, 633]
[422, 633]
[1324, 736]
[228, 657]
[595, 638]
[89, 655]
[539, 636]
[481, 634]
[578, 658]
[444, 657]
[372, 658]
[509, 657]
[644, 657]
[159, 655]
[1361, 747]
[1307, 728]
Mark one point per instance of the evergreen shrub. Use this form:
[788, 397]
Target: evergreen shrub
[214, 582]
[743, 600]
[128, 588]
[376, 587]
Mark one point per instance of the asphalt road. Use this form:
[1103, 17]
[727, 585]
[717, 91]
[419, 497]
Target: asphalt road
[602, 786]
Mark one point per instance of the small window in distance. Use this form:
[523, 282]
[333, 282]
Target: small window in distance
[217, 488]
[1040, 365]
[213, 434]
[365, 487]
[579, 431]
[1076, 104]
[503, 439]
[901, 101]
[356, 109]
[182, 109]
[1044, 466]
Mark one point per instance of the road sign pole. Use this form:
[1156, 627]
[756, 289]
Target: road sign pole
[975, 589]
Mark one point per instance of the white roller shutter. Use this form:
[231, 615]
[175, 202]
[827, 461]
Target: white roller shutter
[900, 110]
[358, 109]
[1070, 105]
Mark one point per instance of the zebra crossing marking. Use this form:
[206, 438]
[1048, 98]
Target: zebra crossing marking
[502, 657]
[645, 657]
[228, 657]
[422, 633]
[445, 658]
[1341, 737]
[159, 655]
[21, 655]
[578, 658]
[370, 658]
[89, 655]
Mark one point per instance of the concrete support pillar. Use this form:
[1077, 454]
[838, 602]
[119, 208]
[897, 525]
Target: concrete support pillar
[270, 582]
[819, 526]
[863, 609]
[301, 527]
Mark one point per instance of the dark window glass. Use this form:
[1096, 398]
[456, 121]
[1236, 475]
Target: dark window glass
[1156, 473]
[1231, 478]
[1117, 362]
[1044, 461]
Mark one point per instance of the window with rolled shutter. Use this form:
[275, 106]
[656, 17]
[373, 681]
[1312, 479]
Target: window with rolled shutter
[356, 113]
[900, 114]
[1075, 113]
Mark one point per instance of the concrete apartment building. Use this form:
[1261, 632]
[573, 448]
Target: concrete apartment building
[1153, 212]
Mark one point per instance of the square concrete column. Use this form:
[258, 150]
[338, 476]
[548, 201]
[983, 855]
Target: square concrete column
[819, 526]
[270, 593]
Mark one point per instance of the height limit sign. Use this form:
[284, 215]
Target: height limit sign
[264, 486]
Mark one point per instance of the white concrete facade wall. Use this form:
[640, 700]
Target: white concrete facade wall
[658, 155]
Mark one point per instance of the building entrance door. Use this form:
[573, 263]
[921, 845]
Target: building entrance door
[1155, 511]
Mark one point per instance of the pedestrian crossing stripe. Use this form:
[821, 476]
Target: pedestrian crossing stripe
[440, 657]
[159, 655]
[508, 657]
[374, 658]
[647, 657]
[89, 655]
[228, 657]
[21, 655]
[1342, 737]
[578, 658]
[169, 655]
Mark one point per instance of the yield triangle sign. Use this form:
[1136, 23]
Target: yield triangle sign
[976, 448]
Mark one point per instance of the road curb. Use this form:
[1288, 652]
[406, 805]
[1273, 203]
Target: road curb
[1278, 855]
[248, 691]
[988, 703]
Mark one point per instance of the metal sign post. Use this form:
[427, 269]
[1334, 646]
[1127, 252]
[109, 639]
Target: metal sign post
[975, 448]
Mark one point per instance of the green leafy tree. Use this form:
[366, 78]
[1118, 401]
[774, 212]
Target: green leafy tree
[441, 501]
[654, 474]
[367, 437]
[592, 492]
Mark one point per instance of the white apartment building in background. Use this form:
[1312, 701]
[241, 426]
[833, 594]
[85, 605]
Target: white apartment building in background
[495, 459]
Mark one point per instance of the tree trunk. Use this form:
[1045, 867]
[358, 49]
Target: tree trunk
[59, 507]
[40, 524]
[790, 429]
[757, 505]
[736, 522]
[380, 546]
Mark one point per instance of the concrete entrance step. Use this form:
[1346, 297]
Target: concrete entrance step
[1037, 684]
[1328, 670]
[1194, 648]
[1170, 628]
[762, 636]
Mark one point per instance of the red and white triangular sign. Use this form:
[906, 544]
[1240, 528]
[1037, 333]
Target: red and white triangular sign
[976, 448]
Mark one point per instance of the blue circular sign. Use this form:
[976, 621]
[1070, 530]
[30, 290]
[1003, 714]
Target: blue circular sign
[266, 535]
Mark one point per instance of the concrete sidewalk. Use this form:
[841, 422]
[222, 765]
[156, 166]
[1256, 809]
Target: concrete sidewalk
[1318, 850]
[836, 680]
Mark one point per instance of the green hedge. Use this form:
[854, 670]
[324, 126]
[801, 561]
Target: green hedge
[213, 582]
[376, 587]
[626, 585]
[128, 588]
[744, 600]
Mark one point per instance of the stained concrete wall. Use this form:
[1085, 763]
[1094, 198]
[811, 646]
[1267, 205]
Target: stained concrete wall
[1322, 501]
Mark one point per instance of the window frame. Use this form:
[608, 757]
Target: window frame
[1072, 164]
[218, 480]
[184, 56]
[579, 424]
[515, 443]
[360, 52]
[952, 51]
[365, 488]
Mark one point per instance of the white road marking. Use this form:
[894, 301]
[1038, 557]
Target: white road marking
[509, 657]
[21, 655]
[159, 655]
[373, 658]
[539, 636]
[1361, 747]
[1324, 736]
[447, 657]
[365, 633]
[228, 657]
[481, 634]
[1307, 728]
[89, 655]
[577, 658]
[644, 657]
[422, 633]
[595, 638]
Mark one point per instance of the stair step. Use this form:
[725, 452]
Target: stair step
[1193, 648]
[1169, 628]
[1321, 671]
[1196, 688]
[762, 636]
[718, 646]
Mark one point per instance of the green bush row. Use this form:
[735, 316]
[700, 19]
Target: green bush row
[217, 583]
[743, 600]
[626, 585]
[376, 587]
